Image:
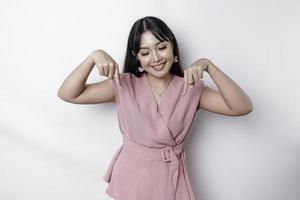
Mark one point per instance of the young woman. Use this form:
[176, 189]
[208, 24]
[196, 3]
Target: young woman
[156, 102]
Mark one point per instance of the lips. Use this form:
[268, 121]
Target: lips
[158, 67]
[158, 64]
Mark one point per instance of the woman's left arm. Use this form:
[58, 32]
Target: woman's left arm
[230, 100]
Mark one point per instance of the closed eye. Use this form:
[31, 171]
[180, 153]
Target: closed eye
[161, 48]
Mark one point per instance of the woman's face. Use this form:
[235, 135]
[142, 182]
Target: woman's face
[155, 57]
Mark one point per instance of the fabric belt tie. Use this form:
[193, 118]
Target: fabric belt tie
[166, 154]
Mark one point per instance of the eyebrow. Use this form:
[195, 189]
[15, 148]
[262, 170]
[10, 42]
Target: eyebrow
[155, 44]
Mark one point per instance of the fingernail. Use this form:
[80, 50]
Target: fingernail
[191, 86]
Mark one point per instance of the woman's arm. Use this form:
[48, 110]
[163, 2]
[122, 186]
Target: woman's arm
[75, 82]
[230, 100]
[74, 88]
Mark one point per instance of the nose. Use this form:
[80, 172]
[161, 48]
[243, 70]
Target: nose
[156, 56]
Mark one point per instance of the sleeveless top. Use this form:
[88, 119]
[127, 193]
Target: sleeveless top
[151, 162]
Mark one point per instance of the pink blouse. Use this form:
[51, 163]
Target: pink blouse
[151, 162]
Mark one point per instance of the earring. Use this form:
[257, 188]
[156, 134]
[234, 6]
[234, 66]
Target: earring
[141, 69]
[175, 59]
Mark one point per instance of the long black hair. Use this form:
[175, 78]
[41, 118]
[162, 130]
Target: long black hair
[161, 31]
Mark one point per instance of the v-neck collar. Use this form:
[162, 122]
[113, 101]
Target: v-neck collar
[165, 93]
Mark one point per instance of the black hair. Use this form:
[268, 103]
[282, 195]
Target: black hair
[161, 31]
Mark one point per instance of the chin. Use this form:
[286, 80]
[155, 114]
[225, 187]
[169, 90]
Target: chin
[160, 73]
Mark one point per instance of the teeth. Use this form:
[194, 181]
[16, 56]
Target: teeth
[159, 67]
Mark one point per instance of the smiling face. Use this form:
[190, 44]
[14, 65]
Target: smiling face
[156, 57]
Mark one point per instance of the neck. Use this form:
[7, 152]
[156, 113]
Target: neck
[159, 82]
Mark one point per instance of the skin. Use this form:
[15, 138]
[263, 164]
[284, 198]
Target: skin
[230, 100]
[152, 53]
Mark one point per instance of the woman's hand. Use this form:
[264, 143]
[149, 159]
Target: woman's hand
[106, 65]
[194, 73]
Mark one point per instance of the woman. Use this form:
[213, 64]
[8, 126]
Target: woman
[156, 102]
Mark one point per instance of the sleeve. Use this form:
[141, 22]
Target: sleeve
[126, 84]
[124, 78]
[200, 88]
[194, 96]
[121, 98]
[190, 104]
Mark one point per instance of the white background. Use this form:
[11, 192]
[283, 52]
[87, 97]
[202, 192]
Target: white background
[54, 150]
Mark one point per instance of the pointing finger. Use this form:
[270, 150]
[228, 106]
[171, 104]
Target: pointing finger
[191, 80]
[117, 76]
[185, 83]
[111, 71]
[101, 70]
[200, 74]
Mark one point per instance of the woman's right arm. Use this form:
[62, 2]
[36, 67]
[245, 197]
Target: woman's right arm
[74, 88]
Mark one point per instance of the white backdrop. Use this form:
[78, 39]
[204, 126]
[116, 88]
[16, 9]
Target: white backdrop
[53, 150]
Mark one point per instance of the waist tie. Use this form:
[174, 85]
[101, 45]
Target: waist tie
[166, 154]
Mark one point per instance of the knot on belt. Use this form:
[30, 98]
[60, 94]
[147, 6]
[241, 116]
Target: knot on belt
[166, 154]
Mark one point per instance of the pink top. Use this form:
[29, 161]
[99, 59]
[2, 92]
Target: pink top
[151, 162]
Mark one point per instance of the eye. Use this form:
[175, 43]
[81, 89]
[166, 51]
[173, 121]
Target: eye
[161, 48]
[144, 54]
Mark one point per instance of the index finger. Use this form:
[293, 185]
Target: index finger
[117, 76]
[185, 81]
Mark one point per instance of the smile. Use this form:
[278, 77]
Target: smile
[157, 66]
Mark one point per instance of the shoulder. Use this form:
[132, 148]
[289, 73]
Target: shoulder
[126, 76]
[126, 79]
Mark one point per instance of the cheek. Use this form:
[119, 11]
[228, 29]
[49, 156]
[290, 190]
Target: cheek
[167, 54]
[145, 61]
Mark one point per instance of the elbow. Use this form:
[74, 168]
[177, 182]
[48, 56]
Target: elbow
[59, 95]
[242, 112]
[249, 110]
[245, 112]
[67, 99]
[62, 97]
